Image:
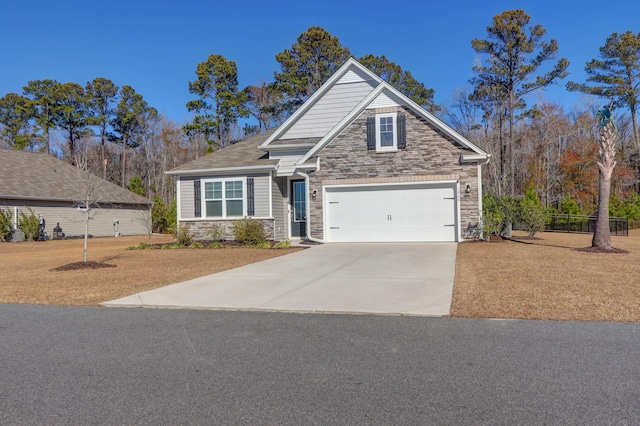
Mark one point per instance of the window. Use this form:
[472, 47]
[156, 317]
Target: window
[385, 132]
[224, 198]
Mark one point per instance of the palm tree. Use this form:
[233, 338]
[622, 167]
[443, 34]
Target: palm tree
[606, 164]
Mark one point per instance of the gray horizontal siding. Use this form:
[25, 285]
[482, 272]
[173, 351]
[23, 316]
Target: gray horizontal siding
[261, 193]
[132, 220]
[186, 198]
[281, 230]
[329, 110]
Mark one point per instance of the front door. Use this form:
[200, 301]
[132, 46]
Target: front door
[298, 201]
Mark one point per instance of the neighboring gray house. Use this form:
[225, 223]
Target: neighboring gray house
[54, 189]
[357, 162]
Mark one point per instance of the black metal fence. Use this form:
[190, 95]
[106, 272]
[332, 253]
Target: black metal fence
[585, 224]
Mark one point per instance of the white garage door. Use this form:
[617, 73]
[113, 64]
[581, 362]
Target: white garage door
[391, 214]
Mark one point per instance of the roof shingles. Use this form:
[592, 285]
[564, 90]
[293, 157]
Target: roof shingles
[40, 176]
[241, 154]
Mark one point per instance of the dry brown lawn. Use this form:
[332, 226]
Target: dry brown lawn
[27, 276]
[548, 279]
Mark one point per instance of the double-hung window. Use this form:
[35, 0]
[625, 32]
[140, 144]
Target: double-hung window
[224, 198]
[386, 132]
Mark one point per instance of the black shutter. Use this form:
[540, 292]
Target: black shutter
[371, 133]
[402, 131]
[197, 210]
[251, 209]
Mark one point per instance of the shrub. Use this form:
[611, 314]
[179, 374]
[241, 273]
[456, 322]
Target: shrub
[498, 212]
[629, 207]
[215, 245]
[569, 206]
[196, 245]
[140, 246]
[216, 232]
[531, 213]
[285, 244]
[30, 225]
[173, 246]
[184, 237]
[263, 245]
[159, 212]
[5, 223]
[172, 217]
[249, 232]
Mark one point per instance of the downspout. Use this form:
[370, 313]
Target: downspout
[480, 164]
[308, 226]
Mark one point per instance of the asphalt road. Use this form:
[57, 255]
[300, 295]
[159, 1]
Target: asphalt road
[70, 365]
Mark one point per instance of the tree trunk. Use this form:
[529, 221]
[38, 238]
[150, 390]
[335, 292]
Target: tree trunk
[634, 122]
[86, 231]
[602, 233]
[606, 164]
[124, 161]
[511, 156]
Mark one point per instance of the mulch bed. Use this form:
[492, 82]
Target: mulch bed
[612, 250]
[82, 265]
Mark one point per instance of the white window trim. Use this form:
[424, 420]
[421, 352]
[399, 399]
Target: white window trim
[394, 147]
[203, 203]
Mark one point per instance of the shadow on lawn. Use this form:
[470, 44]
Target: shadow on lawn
[530, 241]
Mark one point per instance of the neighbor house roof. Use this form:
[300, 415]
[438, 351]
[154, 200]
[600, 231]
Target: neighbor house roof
[39, 176]
[241, 155]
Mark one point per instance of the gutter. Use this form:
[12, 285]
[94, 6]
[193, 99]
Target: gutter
[222, 169]
[64, 200]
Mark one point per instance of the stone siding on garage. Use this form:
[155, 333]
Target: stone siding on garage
[429, 156]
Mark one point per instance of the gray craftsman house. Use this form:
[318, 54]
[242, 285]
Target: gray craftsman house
[357, 162]
[55, 190]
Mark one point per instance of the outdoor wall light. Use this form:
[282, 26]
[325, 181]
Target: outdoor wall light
[313, 194]
[468, 189]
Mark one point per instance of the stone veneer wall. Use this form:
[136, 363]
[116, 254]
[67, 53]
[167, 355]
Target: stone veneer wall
[201, 229]
[429, 156]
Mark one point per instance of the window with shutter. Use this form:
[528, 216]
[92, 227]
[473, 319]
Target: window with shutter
[386, 132]
[225, 197]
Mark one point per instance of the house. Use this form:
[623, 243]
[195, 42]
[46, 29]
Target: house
[55, 190]
[357, 162]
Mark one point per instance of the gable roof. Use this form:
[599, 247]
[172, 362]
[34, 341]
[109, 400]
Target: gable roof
[350, 66]
[241, 155]
[40, 176]
[385, 88]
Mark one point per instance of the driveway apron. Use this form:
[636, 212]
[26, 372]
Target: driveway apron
[371, 278]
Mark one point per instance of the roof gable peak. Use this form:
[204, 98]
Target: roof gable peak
[350, 71]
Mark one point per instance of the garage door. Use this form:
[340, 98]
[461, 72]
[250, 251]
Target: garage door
[391, 213]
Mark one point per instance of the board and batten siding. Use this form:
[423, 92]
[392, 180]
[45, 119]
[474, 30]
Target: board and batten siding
[329, 110]
[261, 194]
[131, 220]
[280, 208]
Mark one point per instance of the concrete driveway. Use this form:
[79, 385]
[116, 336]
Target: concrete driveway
[389, 278]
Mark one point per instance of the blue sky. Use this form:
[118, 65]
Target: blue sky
[154, 46]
